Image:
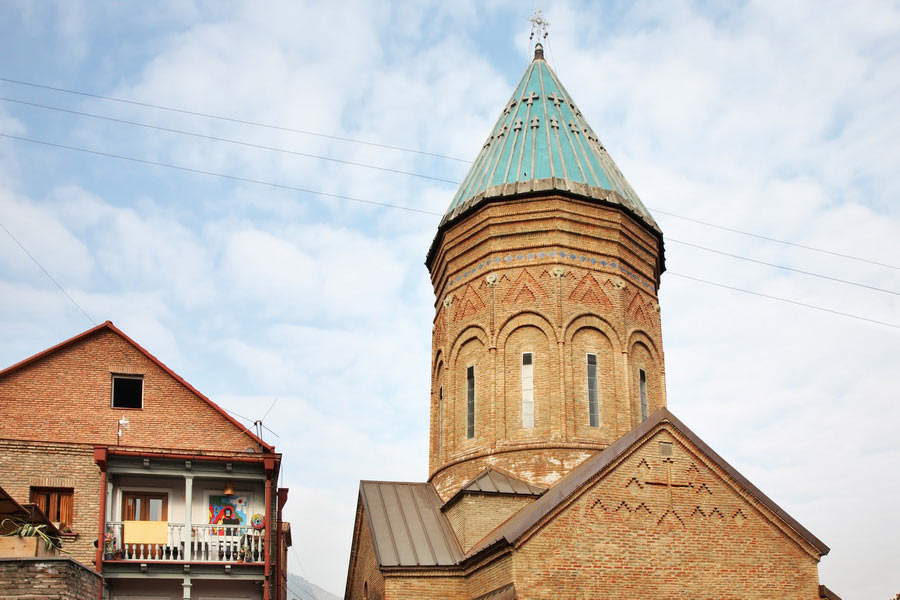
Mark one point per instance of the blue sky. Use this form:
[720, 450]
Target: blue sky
[774, 118]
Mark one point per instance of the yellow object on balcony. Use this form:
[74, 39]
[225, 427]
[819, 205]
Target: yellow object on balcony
[146, 532]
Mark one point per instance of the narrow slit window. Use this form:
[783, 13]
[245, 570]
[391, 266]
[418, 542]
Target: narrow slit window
[127, 391]
[593, 398]
[527, 390]
[643, 375]
[440, 421]
[470, 402]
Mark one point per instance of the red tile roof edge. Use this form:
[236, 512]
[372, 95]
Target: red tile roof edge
[108, 325]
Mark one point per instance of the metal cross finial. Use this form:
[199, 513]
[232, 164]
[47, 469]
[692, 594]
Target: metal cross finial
[539, 26]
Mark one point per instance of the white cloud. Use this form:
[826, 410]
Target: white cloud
[777, 118]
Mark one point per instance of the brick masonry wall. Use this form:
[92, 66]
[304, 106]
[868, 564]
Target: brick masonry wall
[559, 278]
[633, 536]
[66, 397]
[47, 579]
[44, 464]
[364, 579]
[474, 515]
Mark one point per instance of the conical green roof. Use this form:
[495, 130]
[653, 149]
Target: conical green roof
[541, 142]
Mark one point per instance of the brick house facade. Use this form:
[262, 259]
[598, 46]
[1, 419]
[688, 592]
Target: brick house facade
[556, 470]
[144, 488]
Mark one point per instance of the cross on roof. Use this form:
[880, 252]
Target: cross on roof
[555, 99]
[530, 98]
[668, 483]
[539, 25]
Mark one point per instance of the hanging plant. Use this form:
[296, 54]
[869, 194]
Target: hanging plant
[19, 528]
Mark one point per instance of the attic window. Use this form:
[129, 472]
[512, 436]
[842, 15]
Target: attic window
[127, 391]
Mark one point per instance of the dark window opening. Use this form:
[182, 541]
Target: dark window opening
[643, 395]
[593, 397]
[127, 392]
[470, 402]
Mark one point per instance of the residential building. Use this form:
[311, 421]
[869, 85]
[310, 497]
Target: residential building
[151, 483]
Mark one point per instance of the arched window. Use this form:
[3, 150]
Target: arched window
[366, 590]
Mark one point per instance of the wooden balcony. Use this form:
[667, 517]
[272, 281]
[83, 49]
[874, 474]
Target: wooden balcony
[129, 541]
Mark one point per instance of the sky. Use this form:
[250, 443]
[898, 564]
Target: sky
[774, 118]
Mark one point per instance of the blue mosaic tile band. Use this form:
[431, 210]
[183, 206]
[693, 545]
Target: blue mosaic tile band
[509, 258]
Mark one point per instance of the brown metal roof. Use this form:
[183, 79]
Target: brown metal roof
[530, 515]
[507, 592]
[407, 525]
[29, 513]
[495, 481]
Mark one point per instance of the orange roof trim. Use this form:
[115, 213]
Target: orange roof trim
[108, 325]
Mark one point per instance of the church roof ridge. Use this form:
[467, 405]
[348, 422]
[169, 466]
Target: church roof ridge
[520, 523]
[541, 141]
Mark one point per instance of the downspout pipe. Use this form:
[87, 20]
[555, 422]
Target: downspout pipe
[100, 459]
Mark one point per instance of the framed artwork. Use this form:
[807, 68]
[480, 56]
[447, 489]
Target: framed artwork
[228, 510]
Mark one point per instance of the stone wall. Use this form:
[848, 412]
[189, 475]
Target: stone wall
[59, 578]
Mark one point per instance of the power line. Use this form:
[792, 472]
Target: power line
[768, 264]
[771, 239]
[812, 306]
[303, 573]
[227, 140]
[49, 276]
[232, 119]
[403, 149]
[215, 174]
[388, 146]
[386, 205]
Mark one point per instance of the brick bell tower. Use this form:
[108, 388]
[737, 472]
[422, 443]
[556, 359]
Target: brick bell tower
[547, 344]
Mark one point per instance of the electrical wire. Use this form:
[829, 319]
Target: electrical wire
[812, 306]
[768, 264]
[227, 140]
[49, 276]
[232, 119]
[771, 239]
[328, 194]
[388, 146]
[303, 573]
[215, 174]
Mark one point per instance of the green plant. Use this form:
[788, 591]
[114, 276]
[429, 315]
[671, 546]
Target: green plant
[19, 528]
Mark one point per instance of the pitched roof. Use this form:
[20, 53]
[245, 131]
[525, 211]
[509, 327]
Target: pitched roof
[532, 514]
[541, 141]
[407, 526]
[495, 481]
[108, 326]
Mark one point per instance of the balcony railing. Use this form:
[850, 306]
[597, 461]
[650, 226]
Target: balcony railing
[207, 543]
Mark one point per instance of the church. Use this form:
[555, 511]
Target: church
[555, 468]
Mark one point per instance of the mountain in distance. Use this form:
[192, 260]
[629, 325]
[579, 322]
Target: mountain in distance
[301, 589]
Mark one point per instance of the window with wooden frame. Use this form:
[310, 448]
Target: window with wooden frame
[56, 503]
[139, 506]
[128, 391]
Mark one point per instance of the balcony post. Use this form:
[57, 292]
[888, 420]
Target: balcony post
[100, 457]
[188, 505]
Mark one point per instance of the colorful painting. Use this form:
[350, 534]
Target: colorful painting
[227, 510]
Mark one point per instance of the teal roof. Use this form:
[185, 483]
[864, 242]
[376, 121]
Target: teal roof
[541, 142]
